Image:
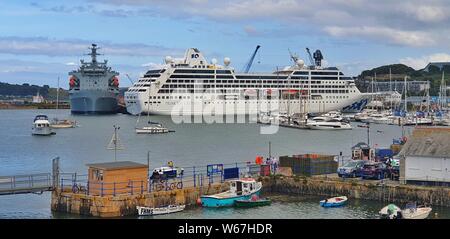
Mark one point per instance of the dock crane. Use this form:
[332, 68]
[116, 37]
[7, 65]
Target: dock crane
[250, 62]
[318, 57]
[310, 57]
[129, 78]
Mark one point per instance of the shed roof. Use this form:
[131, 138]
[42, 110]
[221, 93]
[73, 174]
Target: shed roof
[117, 165]
[431, 142]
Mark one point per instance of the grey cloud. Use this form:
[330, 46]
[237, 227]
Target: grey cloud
[411, 19]
[74, 47]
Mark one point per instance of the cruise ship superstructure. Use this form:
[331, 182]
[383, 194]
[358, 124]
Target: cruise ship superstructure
[94, 87]
[194, 86]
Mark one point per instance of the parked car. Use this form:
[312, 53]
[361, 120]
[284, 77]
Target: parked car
[375, 170]
[351, 169]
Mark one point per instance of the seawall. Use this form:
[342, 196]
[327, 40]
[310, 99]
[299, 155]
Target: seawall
[353, 188]
[125, 205]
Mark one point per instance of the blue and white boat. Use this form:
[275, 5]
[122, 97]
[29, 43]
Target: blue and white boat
[240, 189]
[334, 202]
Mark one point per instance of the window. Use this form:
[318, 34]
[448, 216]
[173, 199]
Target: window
[97, 174]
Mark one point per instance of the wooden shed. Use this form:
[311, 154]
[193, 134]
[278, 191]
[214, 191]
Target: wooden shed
[124, 177]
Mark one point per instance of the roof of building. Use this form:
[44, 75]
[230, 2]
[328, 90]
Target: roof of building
[117, 165]
[428, 142]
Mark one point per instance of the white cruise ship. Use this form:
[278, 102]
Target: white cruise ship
[194, 86]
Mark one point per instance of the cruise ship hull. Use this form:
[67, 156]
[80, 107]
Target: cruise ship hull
[237, 107]
[93, 102]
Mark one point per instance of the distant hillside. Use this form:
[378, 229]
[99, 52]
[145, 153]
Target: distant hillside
[434, 75]
[396, 69]
[27, 90]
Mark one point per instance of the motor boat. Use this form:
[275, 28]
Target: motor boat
[323, 123]
[41, 126]
[411, 211]
[416, 212]
[152, 129]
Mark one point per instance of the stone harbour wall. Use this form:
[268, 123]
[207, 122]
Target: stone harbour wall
[389, 193]
[125, 205]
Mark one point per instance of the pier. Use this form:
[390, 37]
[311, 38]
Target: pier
[30, 183]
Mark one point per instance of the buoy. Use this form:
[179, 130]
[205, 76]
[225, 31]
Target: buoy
[199, 201]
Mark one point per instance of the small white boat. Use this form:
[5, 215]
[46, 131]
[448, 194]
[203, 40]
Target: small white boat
[41, 126]
[62, 124]
[157, 129]
[334, 202]
[390, 211]
[151, 211]
[413, 212]
[323, 123]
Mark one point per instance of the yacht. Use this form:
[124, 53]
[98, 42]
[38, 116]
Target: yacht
[324, 123]
[41, 126]
[193, 86]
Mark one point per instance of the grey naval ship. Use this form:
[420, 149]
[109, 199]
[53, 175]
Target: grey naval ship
[94, 87]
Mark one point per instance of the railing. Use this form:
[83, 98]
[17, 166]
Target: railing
[194, 176]
[25, 183]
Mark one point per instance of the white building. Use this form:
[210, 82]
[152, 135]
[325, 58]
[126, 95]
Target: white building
[425, 158]
[38, 98]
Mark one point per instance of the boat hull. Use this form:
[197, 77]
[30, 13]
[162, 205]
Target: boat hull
[333, 203]
[250, 203]
[211, 201]
[93, 102]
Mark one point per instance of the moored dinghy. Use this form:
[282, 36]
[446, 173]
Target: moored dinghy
[151, 211]
[334, 202]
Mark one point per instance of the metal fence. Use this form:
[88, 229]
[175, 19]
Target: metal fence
[193, 176]
[25, 183]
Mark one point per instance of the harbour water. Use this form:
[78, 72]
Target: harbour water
[191, 144]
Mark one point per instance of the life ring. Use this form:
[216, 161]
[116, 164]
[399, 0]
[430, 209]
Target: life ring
[180, 185]
[172, 186]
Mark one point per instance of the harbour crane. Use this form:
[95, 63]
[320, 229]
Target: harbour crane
[310, 57]
[129, 78]
[250, 62]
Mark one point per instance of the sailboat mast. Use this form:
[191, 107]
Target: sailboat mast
[390, 86]
[406, 109]
[57, 96]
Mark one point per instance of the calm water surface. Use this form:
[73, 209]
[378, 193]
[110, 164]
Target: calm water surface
[191, 144]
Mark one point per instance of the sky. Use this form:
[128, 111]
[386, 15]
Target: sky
[41, 40]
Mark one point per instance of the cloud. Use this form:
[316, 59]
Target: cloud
[75, 47]
[420, 62]
[414, 23]
[409, 38]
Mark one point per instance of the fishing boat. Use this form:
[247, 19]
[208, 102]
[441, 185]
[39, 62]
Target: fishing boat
[254, 201]
[151, 211]
[334, 202]
[240, 189]
[41, 126]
